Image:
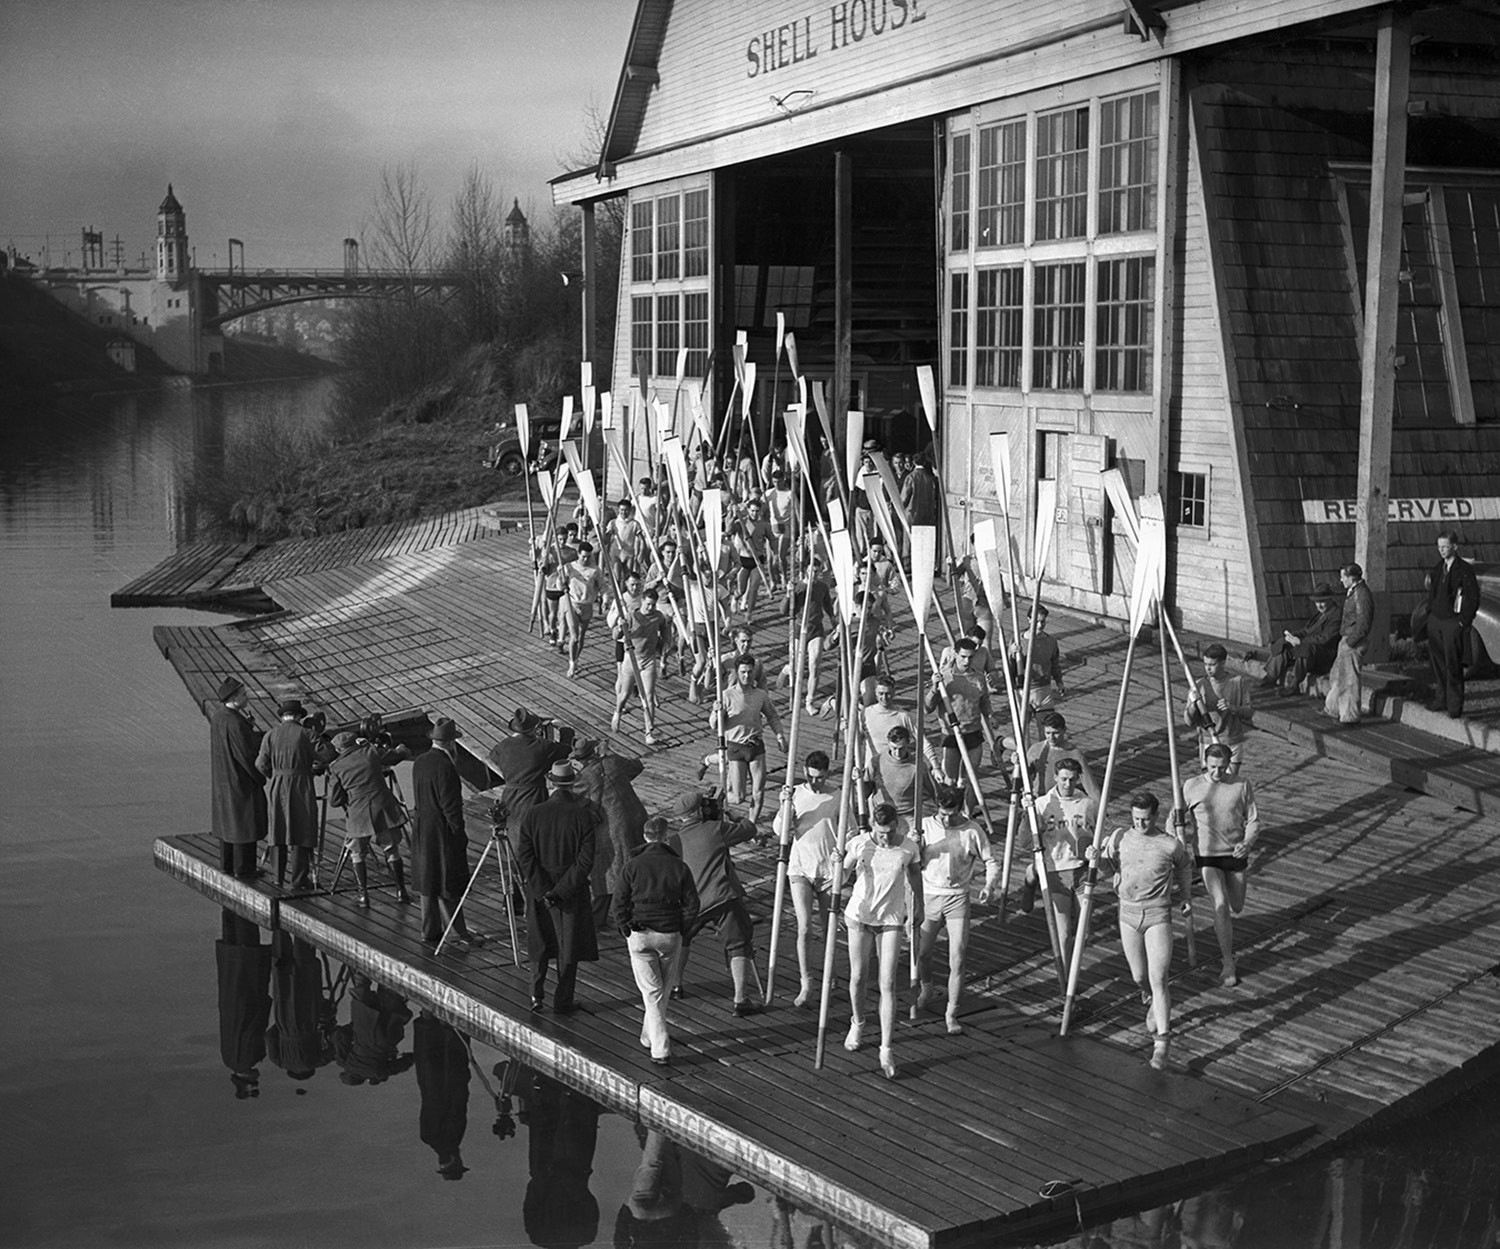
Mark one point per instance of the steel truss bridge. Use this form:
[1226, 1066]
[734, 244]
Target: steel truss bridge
[238, 293]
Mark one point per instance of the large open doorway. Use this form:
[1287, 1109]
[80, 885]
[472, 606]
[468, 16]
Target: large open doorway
[777, 246]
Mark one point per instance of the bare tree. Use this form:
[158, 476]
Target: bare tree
[399, 234]
[476, 252]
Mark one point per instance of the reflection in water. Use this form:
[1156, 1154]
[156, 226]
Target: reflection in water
[368, 1047]
[676, 1199]
[244, 964]
[562, 1127]
[443, 1077]
[300, 1039]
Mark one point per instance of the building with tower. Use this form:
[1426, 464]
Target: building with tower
[517, 232]
[177, 304]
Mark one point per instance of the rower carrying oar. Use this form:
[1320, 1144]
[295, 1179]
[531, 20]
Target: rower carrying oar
[1150, 565]
[1179, 811]
[923, 542]
[841, 551]
[788, 818]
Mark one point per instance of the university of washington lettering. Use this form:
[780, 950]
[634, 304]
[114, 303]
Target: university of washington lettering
[850, 22]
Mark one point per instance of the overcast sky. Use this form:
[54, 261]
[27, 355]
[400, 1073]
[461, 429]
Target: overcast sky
[272, 118]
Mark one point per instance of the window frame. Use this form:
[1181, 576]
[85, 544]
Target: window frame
[679, 283]
[1092, 247]
[1180, 474]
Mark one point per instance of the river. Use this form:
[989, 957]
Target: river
[121, 1123]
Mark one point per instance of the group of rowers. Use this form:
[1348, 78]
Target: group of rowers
[908, 874]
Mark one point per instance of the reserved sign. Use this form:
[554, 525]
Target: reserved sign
[1337, 511]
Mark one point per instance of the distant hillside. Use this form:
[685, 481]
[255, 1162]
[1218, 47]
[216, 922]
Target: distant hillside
[44, 347]
[42, 344]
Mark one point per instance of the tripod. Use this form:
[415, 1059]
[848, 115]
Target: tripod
[345, 851]
[505, 859]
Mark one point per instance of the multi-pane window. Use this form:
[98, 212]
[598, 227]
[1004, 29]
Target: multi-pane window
[695, 234]
[642, 237]
[1124, 302]
[1190, 497]
[1127, 163]
[668, 237]
[1002, 184]
[959, 174]
[1057, 326]
[669, 269]
[958, 329]
[789, 290]
[999, 314]
[668, 334]
[695, 331]
[642, 324]
[1061, 270]
[1062, 174]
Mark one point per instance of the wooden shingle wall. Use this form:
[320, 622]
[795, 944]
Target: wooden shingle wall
[1288, 291]
[1211, 581]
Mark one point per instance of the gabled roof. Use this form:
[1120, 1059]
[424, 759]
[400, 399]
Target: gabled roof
[637, 77]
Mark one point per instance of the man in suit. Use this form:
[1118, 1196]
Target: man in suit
[1311, 652]
[1452, 602]
[555, 851]
[239, 795]
[286, 759]
[440, 845]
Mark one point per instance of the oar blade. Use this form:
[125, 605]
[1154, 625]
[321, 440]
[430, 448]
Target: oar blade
[923, 555]
[523, 430]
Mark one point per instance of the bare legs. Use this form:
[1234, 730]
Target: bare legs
[1226, 890]
[1149, 954]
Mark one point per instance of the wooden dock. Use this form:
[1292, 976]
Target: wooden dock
[1367, 945]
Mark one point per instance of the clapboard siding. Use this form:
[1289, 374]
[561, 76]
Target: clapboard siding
[1272, 123]
[705, 112]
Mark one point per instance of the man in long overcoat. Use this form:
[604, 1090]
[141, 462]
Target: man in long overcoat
[556, 853]
[440, 845]
[522, 759]
[605, 779]
[299, 1039]
[286, 757]
[239, 795]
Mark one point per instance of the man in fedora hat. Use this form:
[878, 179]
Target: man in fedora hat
[555, 851]
[357, 782]
[239, 794]
[522, 759]
[286, 757]
[440, 844]
[1310, 652]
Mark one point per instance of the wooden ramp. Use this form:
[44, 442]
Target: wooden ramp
[195, 576]
[991, 1133]
[1367, 945]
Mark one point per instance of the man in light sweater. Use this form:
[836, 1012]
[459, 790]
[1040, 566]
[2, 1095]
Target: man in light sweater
[1223, 811]
[1066, 815]
[952, 845]
[813, 836]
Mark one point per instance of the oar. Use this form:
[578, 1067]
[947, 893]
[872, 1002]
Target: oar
[831, 942]
[1179, 816]
[1150, 560]
[713, 537]
[788, 820]
[923, 540]
[1000, 463]
[523, 434]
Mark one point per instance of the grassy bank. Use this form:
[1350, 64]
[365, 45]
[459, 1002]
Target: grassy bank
[420, 457]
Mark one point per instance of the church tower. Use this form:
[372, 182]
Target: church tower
[517, 232]
[171, 240]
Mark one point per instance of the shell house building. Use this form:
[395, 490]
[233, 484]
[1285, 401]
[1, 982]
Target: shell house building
[1247, 252]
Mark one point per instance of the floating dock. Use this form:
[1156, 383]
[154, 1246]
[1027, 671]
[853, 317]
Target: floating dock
[1368, 944]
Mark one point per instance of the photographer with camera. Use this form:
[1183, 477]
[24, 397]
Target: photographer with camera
[555, 851]
[605, 778]
[704, 839]
[522, 759]
[357, 782]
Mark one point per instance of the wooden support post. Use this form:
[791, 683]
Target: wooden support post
[1377, 372]
[843, 283]
[590, 282]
